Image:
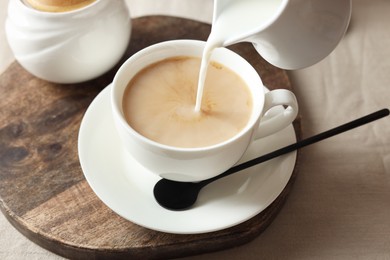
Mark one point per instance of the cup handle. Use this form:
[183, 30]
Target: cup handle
[280, 117]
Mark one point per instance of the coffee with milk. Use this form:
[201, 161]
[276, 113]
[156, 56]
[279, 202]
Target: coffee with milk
[159, 103]
[57, 6]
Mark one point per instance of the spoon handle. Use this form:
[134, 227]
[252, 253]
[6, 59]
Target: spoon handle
[305, 142]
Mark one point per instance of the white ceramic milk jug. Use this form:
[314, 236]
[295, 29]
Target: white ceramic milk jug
[289, 34]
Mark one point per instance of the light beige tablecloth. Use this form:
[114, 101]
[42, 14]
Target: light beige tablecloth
[339, 207]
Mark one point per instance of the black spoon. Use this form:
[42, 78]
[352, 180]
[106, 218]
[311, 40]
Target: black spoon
[174, 195]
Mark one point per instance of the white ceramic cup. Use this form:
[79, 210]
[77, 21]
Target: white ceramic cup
[69, 47]
[194, 164]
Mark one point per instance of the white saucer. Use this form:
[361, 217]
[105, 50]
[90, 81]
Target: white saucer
[127, 188]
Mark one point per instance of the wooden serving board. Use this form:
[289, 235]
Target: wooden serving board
[43, 192]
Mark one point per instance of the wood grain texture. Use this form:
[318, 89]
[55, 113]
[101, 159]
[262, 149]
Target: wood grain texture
[43, 192]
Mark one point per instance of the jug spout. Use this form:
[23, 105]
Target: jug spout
[289, 34]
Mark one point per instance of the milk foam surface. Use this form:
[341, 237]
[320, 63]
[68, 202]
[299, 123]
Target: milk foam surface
[159, 103]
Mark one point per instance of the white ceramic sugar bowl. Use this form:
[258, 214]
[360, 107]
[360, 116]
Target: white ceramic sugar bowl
[69, 47]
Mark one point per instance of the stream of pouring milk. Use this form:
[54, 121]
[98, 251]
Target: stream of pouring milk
[236, 19]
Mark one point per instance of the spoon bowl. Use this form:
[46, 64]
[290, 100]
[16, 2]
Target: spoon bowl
[175, 195]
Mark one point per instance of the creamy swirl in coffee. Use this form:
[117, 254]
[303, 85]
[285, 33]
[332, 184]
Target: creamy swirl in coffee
[159, 103]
